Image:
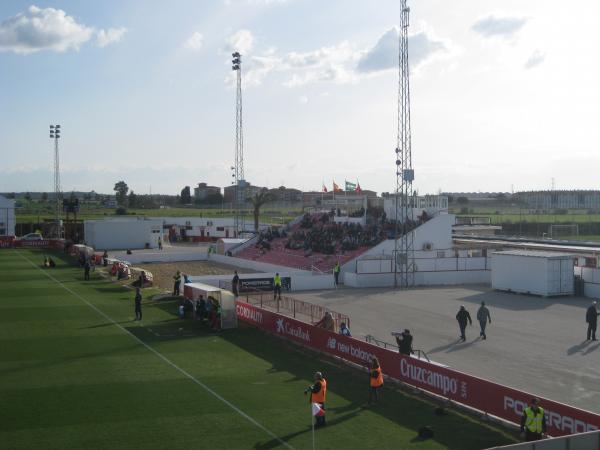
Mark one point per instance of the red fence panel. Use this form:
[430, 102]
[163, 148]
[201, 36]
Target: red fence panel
[484, 395]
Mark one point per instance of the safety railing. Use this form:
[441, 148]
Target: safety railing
[373, 340]
[297, 309]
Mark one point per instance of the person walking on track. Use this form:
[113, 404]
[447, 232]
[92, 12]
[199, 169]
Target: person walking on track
[177, 283]
[277, 286]
[138, 304]
[235, 284]
[375, 380]
[591, 317]
[483, 316]
[463, 317]
[318, 394]
[533, 422]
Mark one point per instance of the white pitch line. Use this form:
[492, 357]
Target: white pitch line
[161, 356]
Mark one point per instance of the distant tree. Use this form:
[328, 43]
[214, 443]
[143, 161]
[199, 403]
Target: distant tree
[72, 197]
[462, 200]
[259, 199]
[28, 196]
[121, 190]
[44, 197]
[87, 196]
[120, 211]
[132, 200]
[12, 195]
[186, 196]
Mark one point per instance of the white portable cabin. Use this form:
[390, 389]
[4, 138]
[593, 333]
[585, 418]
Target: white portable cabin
[533, 272]
[226, 299]
[225, 244]
[126, 233]
[7, 216]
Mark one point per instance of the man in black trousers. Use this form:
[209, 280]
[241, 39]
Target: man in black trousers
[138, 304]
[591, 317]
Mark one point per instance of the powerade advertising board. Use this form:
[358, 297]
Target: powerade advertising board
[264, 284]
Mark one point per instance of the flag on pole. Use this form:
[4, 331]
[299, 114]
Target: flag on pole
[324, 188]
[317, 411]
[358, 190]
[350, 187]
[336, 188]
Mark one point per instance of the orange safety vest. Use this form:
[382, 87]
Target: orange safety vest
[376, 382]
[319, 397]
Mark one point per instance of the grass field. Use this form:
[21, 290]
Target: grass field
[77, 372]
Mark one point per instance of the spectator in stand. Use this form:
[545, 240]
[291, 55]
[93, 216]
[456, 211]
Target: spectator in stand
[235, 284]
[463, 317]
[591, 317]
[344, 330]
[404, 341]
[326, 322]
[483, 316]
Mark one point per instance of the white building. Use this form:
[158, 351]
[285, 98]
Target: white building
[7, 216]
[123, 233]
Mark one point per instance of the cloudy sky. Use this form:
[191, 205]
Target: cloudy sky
[505, 94]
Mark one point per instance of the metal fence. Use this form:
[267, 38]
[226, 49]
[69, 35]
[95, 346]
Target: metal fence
[297, 309]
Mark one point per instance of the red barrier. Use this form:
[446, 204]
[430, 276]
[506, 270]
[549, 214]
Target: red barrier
[6, 241]
[492, 398]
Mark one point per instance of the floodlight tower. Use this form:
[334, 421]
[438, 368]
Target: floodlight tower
[404, 272]
[55, 134]
[240, 182]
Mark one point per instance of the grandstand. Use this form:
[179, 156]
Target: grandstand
[315, 243]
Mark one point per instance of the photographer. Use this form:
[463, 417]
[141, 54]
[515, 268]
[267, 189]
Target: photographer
[404, 341]
[318, 392]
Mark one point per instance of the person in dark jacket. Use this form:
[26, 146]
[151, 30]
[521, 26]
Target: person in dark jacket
[138, 304]
[591, 317]
[404, 342]
[463, 317]
[533, 422]
[483, 316]
[235, 284]
[86, 270]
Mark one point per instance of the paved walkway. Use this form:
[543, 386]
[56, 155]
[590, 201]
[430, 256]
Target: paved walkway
[535, 344]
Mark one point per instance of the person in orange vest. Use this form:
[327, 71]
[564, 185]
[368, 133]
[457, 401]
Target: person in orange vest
[375, 380]
[318, 394]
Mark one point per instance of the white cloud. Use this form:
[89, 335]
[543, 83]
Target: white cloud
[340, 63]
[110, 36]
[303, 99]
[536, 58]
[42, 29]
[422, 46]
[241, 41]
[195, 41]
[499, 25]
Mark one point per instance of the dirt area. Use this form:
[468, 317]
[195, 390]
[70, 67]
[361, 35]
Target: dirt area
[163, 272]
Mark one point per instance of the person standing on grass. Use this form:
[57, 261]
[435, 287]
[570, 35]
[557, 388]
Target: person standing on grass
[483, 316]
[138, 304]
[463, 317]
[318, 393]
[177, 283]
[375, 380]
[591, 317]
[86, 270]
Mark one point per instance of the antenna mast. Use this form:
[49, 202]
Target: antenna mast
[404, 267]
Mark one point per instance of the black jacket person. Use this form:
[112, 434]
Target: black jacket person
[591, 317]
[463, 317]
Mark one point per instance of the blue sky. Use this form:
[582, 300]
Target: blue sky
[504, 94]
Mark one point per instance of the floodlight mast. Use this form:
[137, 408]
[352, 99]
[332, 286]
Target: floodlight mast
[240, 182]
[55, 134]
[404, 253]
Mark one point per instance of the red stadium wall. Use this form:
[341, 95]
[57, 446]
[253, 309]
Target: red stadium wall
[489, 397]
[11, 242]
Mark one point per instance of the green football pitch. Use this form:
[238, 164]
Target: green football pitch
[77, 372]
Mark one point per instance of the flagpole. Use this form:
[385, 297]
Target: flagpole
[313, 427]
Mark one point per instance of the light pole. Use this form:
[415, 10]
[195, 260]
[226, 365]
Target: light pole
[55, 134]
[240, 182]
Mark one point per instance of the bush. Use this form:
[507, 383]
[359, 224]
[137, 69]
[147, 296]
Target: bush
[120, 211]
